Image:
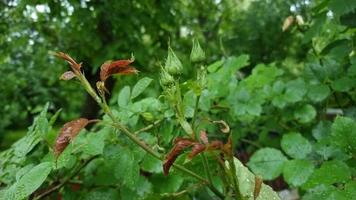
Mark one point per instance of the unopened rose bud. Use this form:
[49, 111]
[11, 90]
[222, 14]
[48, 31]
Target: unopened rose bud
[197, 54]
[173, 64]
[147, 116]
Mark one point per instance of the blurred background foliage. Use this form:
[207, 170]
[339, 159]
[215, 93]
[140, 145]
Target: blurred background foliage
[95, 31]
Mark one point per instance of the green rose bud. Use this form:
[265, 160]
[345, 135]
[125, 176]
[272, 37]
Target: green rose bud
[173, 64]
[197, 54]
[148, 116]
[165, 78]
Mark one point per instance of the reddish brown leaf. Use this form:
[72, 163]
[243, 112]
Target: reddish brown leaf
[216, 144]
[67, 133]
[179, 145]
[204, 137]
[196, 149]
[67, 75]
[70, 60]
[116, 67]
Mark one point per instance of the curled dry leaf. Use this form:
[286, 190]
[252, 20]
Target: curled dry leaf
[224, 127]
[70, 60]
[287, 23]
[68, 75]
[196, 149]
[179, 145]
[216, 144]
[258, 185]
[116, 67]
[67, 133]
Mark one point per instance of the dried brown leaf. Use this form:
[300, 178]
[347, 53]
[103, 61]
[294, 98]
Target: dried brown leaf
[216, 144]
[179, 145]
[68, 75]
[116, 67]
[67, 133]
[70, 60]
[196, 149]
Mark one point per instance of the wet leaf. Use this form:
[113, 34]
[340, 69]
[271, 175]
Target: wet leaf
[179, 145]
[196, 149]
[67, 133]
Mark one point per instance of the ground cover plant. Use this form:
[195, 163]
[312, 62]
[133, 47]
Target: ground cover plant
[203, 127]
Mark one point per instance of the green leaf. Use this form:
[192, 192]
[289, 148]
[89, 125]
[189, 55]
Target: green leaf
[329, 173]
[246, 183]
[305, 114]
[124, 96]
[235, 63]
[343, 132]
[102, 194]
[297, 172]
[215, 66]
[94, 143]
[124, 164]
[350, 189]
[295, 90]
[318, 93]
[295, 145]
[267, 163]
[343, 84]
[140, 86]
[151, 164]
[166, 184]
[30, 182]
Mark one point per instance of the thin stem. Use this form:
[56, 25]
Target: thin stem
[234, 178]
[195, 111]
[206, 167]
[147, 127]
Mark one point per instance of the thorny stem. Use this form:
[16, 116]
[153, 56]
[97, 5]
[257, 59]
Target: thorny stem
[132, 136]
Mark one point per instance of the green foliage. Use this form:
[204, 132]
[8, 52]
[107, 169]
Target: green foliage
[267, 163]
[288, 99]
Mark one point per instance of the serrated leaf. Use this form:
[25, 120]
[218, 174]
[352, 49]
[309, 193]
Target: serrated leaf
[267, 163]
[297, 172]
[343, 132]
[305, 114]
[318, 93]
[295, 90]
[329, 173]
[140, 86]
[295, 145]
[124, 96]
[343, 84]
[29, 182]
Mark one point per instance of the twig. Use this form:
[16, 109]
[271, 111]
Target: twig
[148, 127]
